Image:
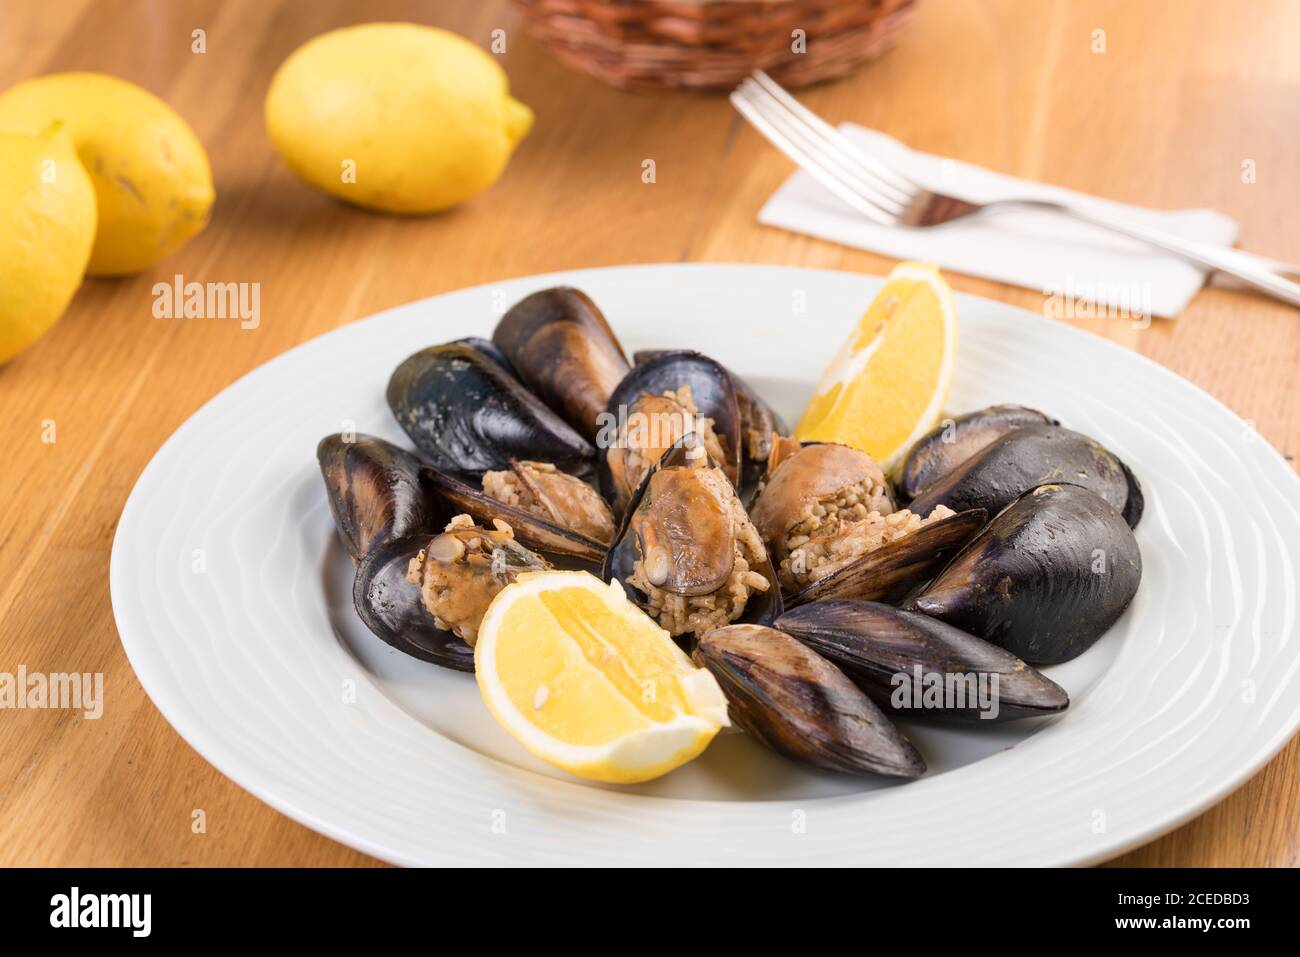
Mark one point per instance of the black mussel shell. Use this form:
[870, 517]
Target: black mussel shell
[1036, 455]
[563, 349]
[530, 530]
[1044, 579]
[757, 423]
[895, 656]
[467, 415]
[374, 491]
[642, 356]
[762, 608]
[394, 610]
[1136, 502]
[897, 568]
[489, 349]
[802, 706]
[952, 443]
[712, 391]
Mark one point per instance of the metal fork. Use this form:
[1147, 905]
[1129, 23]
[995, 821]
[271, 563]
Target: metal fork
[886, 196]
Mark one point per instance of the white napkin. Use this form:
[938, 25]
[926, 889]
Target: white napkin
[1072, 263]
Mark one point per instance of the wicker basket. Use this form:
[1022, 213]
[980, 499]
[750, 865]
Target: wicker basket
[713, 44]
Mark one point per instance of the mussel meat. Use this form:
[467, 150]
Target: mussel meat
[1035, 455]
[1044, 579]
[687, 551]
[913, 664]
[562, 499]
[460, 571]
[394, 610]
[802, 706]
[549, 510]
[957, 439]
[467, 415]
[814, 492]
[374, 491]
[564, 351]
[656, 404]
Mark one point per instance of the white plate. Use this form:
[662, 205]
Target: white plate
[232, 598]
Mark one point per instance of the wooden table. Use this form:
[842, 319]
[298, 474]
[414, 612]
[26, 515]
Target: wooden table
[1184, 94]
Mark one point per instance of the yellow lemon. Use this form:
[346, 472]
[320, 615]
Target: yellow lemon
[153, 185]
[888, 382]
[586, 681]
[394, 116]
[47, 226]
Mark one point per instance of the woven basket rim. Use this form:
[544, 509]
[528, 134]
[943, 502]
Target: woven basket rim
[681, 44]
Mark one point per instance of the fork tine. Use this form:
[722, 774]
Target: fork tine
[819, 138]
[828, 178]
[827, 154]
[846, 146]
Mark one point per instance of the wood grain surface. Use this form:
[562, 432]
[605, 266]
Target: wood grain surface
[1184, 94]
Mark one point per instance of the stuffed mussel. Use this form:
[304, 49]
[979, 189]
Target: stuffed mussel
[548, 509]
[817, 490]
[688, 552]
[384, 513]
[425, 570]
[827, 518]
[462, 569]
[426, 594]
[393, 609]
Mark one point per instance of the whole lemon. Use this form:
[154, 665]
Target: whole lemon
[394, 116]
[47, 226]
[152, 181]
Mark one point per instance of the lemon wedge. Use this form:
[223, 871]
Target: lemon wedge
[587, 682]
[886, 386]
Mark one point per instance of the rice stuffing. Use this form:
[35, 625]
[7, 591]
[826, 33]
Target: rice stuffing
[812, 558]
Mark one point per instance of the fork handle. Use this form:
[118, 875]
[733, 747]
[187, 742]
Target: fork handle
[1262, 274]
